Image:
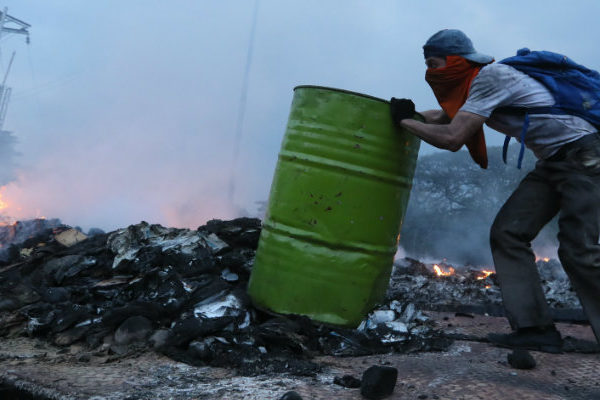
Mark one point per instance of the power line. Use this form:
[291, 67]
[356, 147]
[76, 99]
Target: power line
[242, 107]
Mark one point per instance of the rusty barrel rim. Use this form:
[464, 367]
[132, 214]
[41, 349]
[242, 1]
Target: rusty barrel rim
[341, 91]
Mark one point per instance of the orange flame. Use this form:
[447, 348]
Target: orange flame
[485, 274]
[443, 272]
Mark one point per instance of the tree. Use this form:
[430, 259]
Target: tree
[453, 204]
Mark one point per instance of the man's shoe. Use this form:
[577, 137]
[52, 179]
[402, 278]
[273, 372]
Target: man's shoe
[538, 339]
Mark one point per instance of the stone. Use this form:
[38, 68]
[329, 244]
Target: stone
[347, 381]
[56, 295]
[70, 237]
[159, 338]
[70, 336]
[521, 359]
[133, 329]
[378, 382]
[291, 395]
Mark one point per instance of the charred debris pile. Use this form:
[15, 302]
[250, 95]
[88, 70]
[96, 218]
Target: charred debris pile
[179, 292]
[443, 287]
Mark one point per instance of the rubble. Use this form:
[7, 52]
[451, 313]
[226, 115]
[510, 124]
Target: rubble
[347, 381]
[468, 289]
[378, 382]
[179, 292]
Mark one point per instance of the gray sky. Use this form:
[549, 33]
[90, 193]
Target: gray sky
[125, 110]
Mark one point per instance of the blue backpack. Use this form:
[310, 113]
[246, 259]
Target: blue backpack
[575, 88]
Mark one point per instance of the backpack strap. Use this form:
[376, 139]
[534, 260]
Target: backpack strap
[505, 148]
[523, 133]
[524, 111]
[519, 111]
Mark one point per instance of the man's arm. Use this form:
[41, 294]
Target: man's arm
[435, 117]
[450, 136]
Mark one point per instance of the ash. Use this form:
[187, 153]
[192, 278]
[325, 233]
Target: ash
[181, 293]
[416, 283]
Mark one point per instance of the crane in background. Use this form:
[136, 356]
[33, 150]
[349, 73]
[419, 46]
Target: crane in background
[9, 25]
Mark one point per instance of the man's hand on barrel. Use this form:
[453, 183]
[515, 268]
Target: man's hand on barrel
[401, 109]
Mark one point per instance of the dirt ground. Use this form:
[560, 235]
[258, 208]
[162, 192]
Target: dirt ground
[470, 369]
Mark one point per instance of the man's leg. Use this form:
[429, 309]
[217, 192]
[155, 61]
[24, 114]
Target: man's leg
[518, 222]
[579, 224]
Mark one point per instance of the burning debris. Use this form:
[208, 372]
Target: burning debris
[445, 287]
[181, 292]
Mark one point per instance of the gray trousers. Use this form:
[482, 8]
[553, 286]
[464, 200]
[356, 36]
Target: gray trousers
[569, 183]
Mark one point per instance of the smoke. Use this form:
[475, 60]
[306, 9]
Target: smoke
[400, 254]
[8, 157]
[8, 169]
[453, 204]
[126, 111]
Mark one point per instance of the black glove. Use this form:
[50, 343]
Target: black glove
[401, 109]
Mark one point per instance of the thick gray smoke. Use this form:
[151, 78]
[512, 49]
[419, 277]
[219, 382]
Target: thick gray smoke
[127, 110]
[453, 204]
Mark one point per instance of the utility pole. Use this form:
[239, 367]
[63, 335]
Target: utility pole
[9, 25]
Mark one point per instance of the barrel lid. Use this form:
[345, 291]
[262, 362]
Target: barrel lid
[340, 90]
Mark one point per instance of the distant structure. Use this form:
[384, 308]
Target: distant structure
[9, 25]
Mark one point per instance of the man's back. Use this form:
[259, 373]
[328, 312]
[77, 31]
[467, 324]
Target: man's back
[500, 85]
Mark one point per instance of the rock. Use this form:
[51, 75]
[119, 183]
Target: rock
[397, 326]
[184, 331]
[378, 382]
[216, 245]
[70, 336]
[24, 294]
[291, 395]
[134, 329]
[347, 381]
[521, 359]
[229, 276]
[240, 232]
[56, 295]
[69, 315]
[116, 316]
[223, 304]
[70, 237]
[9, 304]
[62, 268]
[382, 316]
[159, 338]
[95, 231]
[59, 263]
[119, 349]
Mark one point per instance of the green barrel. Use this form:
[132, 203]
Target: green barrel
[337, 201]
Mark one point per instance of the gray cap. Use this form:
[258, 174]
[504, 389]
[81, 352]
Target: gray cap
[452, 42]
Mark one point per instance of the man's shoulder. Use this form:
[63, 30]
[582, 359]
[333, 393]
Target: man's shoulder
[500, 73]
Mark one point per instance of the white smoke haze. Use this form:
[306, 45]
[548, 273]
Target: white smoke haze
[126, 110]
[400, 254]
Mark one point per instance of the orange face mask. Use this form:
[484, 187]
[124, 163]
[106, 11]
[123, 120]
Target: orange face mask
[450, 86]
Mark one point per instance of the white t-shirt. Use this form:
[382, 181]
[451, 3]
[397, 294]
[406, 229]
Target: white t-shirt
[499, 85]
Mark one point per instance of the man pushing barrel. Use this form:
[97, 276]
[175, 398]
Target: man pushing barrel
[472, 90]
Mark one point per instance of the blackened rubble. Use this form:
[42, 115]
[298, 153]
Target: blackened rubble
[180, 292]
[468, 290]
